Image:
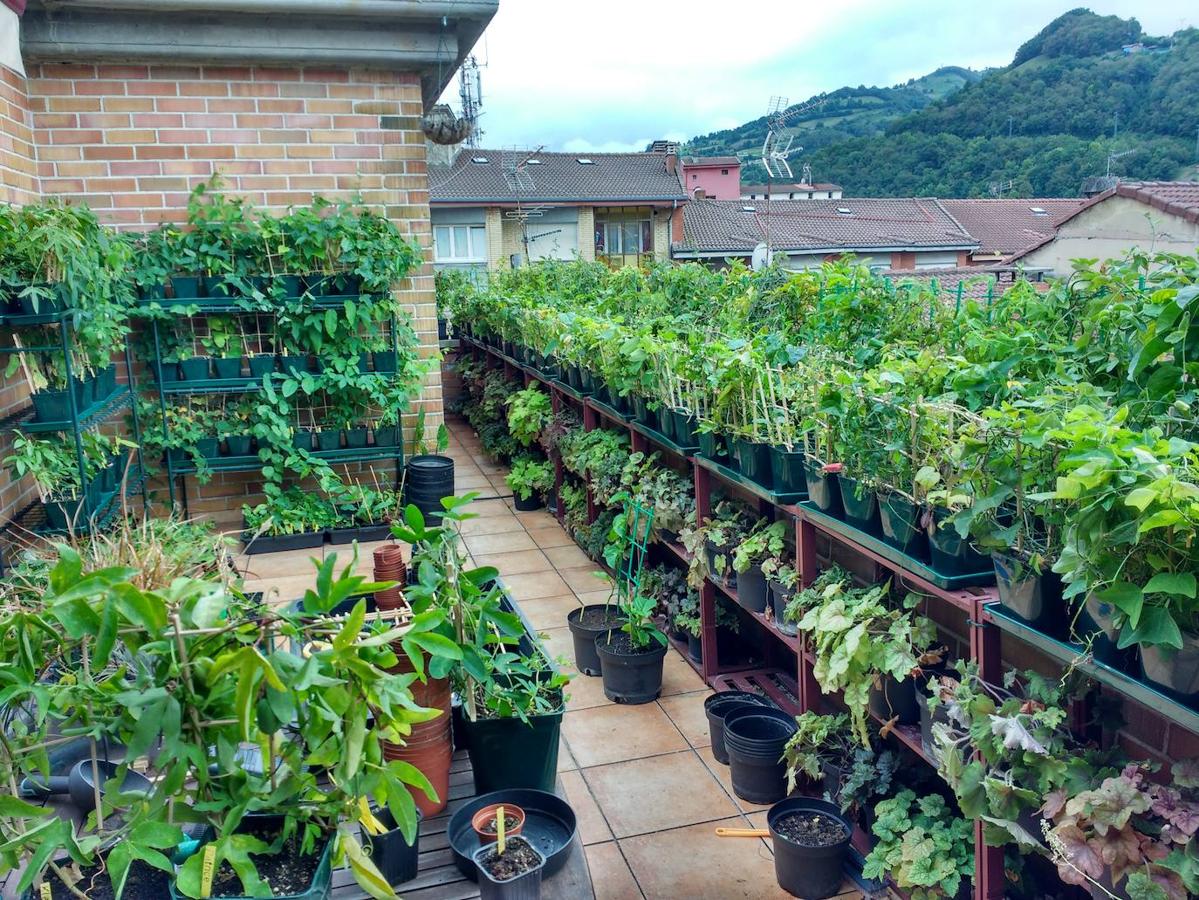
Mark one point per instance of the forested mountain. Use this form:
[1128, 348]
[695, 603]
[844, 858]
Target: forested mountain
[1072, 97]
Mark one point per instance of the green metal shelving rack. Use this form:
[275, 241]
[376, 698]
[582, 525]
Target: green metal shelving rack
[177, 471]
[94, 515]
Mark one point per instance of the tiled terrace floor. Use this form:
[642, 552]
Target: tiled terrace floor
[642, 779]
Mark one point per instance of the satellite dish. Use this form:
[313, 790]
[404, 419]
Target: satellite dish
[762, 257]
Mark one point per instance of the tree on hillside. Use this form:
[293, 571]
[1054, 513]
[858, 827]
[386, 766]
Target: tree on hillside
[1079, 32]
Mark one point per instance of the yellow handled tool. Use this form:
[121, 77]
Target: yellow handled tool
[743, 832]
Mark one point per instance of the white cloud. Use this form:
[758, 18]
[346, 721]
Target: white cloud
[586, 77]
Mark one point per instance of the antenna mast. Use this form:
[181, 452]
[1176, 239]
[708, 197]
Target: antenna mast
[778, 146]
[515, 164]
[470, 93]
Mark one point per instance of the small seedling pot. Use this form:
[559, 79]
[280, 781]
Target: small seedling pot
[480, 820]
[525, 886]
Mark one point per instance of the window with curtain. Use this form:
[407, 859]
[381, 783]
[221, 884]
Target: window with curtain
[624, 241]
[460, 243]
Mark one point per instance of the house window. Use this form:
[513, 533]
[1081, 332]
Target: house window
[624, 241]
[460, 243]
[724, 171]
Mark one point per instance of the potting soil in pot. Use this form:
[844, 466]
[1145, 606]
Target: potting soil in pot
[510, 822]
[811, 829]
[518, 858]
[143, 882]
[287, 872]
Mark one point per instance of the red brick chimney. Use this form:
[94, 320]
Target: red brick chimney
[672, 160]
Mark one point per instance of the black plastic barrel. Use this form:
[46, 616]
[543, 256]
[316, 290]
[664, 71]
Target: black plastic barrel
[754, 739]
[429, 479]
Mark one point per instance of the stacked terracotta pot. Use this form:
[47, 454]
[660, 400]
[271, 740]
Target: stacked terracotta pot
[430, 745]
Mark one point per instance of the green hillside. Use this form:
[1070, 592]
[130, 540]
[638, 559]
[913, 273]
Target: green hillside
[843, 114]
[1071, 97]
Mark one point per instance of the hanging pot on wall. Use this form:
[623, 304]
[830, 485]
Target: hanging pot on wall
[441, 126]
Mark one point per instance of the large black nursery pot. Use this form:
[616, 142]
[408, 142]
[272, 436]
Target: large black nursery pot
[949, 552]
[787, 470]
[227, 366]
[1034, 599]
[812, 869]
[528, 504]
[717, 706]
[754, 739]
[754, 461]
[328, 439]
[262, 364]
[356, 437]
[891, 699]
[507, 753]
[695, 648]
[238, 444]
[429, 479]
[683, 424]
[860, 505]
[899, 518]
[780, 596]
[751, 589]
[587, 623]
[1174, 672]
[396, 859]
[824, 489]
[632, 675]
[574, 378]
[712, 445]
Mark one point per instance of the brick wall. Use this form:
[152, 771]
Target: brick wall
[132, 140]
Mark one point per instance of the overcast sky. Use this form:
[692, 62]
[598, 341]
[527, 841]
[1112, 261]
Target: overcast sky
[578, 75]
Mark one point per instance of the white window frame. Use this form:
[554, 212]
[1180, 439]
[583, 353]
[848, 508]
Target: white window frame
[476, 244]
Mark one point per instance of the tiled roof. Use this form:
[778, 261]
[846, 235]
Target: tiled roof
[711, 161]
[557, 177]
[976, 282]
[1011, 226]
[712, 226]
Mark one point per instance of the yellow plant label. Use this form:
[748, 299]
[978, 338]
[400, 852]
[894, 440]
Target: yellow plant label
[207, 868]
[45, 891]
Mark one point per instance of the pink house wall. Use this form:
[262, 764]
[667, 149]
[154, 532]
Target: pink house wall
[715, 185]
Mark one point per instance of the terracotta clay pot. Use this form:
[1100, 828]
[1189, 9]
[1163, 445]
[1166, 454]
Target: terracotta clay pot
[429, 748]
[487, 813]
[390, 566]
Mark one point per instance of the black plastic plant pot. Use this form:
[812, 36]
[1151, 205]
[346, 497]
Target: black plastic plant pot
[525, 886]
[711, 445]
[754, 739]
[632, 675]
[194, 369]
[375, 531]
[899, 519]
[574, 377]
[1174, 672]
[779, 598]
[1097, 620]
[52, 406]
[321, 885]
[328, 439]
[302, 439]
[262, 364]
[387, 435]
[170, 372]
[640, 411]
[293, 365]
[1034, 599]
[507, 753]
[187, 287]
[276, 543]
[60, 514]
[893, 699]
[949, 552]
[823, 488]
[228, 366]
[385, 361]
[808, 855]
[586, 381]
[860, 505]
[695, 648]
[751, 589]
[787, 470]
[443, 330]
[585, 624]
[209, 447]
[290, 286]
[717, 706]
[356, 438]
[106, 382]
[527, 504]
[754, 460]
[396, 859]
[238, 444]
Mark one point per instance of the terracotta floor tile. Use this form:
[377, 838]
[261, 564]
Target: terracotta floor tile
[499, 542]
[471, 483]
[568, 557]
[678, 677]
[494, 525]
[592, 597]
[687, 713]
[615, 733]
[693, 862]
[558, 643]
[550, 536]
[586, 579]
[611, 877]
[534, 585]
[592, 827]
[585, 692]
[566, 761]
[275, 565]
[538, 518]
[547, 612]
[639, 796]
[515, 563]
[725, 777]
[486, 509]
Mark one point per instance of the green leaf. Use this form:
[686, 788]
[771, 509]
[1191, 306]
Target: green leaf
[1126, 597]
[1178, 584]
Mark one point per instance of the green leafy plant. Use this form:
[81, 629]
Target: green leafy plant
[530, 476]
[529, 411]
[927, 849]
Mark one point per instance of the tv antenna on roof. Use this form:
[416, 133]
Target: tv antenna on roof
[778, 146]
[514, 162]
[1112, 157]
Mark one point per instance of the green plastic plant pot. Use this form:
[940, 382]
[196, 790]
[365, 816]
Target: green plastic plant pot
[787, 470]
[187, 287]
[356, 438]
[289, 286]
[302, 439]
[52, 406]
[711, 445]
[238, 444]
[507, 753]
[387, 435]
[293, 365]
[61, 513]
[860, 505]
[262, 364]
[228, 367]
[195, 369]
[328, 439]
[209, 448]
[385, 361]
[822, 487]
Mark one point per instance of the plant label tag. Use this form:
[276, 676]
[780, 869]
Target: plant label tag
[44, 890]
[207, 867]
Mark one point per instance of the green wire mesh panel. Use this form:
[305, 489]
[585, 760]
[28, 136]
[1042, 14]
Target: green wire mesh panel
[638, 523]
